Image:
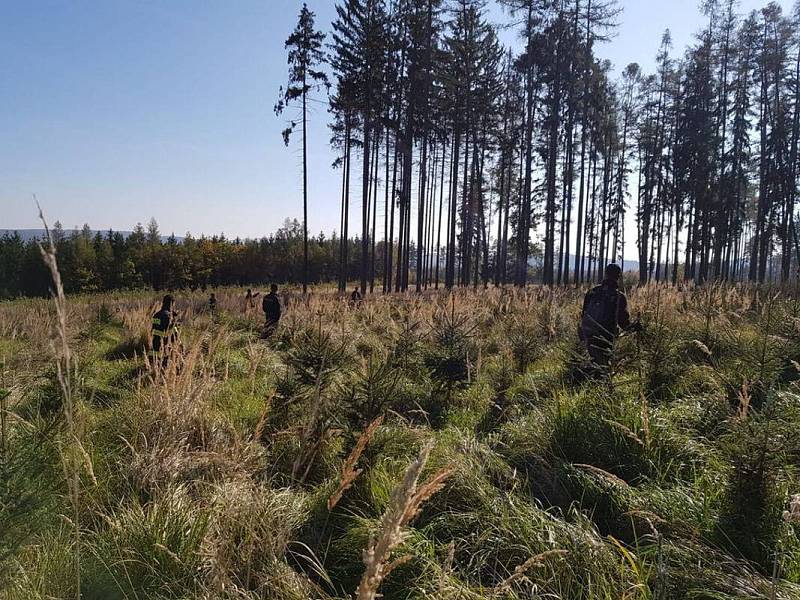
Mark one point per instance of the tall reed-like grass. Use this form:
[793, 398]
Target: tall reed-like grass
[75, 459]
[248, 468]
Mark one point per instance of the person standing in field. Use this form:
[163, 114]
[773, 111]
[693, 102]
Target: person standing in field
[603, 316]
[164, 331]
[271, 306]
[355, 297]
[250, 301]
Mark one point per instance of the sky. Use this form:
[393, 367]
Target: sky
[116, 111]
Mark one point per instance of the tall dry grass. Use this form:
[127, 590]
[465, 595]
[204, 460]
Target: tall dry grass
[556, 477]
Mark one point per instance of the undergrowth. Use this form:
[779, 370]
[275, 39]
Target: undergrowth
[442, 445]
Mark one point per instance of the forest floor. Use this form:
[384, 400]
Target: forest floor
[416, 446]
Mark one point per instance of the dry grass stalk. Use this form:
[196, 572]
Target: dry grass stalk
[397, 562]
[447, 568]
[610, 477]
[255, 356]
[647, 515]
[261, 426]
[311, 451]
[426, 491]
[646, 421]
[519, 572]
[4, 394]
[625, 431]
[74, 457]
[702, 347]
[311, 438]
[404, 505]
[349, 472]
[744, 401]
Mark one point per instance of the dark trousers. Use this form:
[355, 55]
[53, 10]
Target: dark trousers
[270, 326]
[600, 350]
[160, 356]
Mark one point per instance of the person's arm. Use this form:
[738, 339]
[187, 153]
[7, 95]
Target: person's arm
[623, 316]
[580, 318]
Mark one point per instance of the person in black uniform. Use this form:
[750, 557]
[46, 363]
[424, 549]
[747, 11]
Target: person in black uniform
[212, 307]
[271, 306]
[603, 316]
[355, 297]
[164, 331]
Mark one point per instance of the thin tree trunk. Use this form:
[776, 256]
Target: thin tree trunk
[305, 189]
[441, 206]
[373, 237]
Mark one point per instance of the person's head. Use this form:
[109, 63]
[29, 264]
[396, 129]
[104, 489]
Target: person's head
[167, 302]
[273, 288]
[613, 272]
[213, 295]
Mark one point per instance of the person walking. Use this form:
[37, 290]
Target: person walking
[355, 297]
[271, 305]
[164, 331]
[603, 316]
[250, 301]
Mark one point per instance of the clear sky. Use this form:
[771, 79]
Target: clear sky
[114, 111]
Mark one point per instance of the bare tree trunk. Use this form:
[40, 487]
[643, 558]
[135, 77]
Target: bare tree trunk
[450, 270]
[387, 241]
[305, 187]
[375, 155]
[345, 229]
[365, 198]
[441, 206]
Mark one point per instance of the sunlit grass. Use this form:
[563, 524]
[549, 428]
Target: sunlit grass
[212, 480]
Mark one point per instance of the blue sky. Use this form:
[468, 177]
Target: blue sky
[114, 111]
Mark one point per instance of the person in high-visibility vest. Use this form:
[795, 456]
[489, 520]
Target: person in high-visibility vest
[164, 330]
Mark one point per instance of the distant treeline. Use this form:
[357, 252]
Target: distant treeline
[95, 262]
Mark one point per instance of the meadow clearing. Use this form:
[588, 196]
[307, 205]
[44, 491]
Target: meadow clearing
[441, 445]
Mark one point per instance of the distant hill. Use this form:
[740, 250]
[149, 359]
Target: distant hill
[38, 234]
[628, 265]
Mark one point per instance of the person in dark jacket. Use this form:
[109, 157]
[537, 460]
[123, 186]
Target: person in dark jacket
[355, 297]
[603, 316]
[272, 310]
[164, 331]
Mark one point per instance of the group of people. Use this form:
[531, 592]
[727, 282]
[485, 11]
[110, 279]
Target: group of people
[164, 327]
[270, 305]
[604, 316]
